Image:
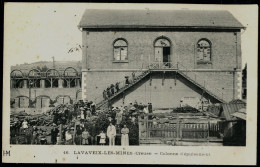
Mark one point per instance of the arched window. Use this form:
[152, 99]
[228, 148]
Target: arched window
[203, 51]
[120, 50]
[162, 50]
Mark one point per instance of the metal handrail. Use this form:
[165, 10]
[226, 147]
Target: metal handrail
[122, 85]
[198, 79]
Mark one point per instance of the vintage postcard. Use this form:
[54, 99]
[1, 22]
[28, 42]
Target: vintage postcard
[130, 83]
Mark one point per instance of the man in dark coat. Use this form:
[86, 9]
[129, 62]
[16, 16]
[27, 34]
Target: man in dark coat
[112, 89]
[127, 80]
[108, 92]
[55, 116]
[93, 108]
[150, 108]
[105, 94]
[117, 87]
[66, 114]
[54, 134]
[85, 112]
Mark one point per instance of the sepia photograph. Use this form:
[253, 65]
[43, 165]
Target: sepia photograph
[121, 75]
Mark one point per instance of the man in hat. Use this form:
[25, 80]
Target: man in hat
[111, 133]
[54, 134]
[117, 87]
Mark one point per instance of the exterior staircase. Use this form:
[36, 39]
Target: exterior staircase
[202, 87]
[137, 79]
[147, 72]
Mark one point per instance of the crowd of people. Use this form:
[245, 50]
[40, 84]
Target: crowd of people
[82, 124]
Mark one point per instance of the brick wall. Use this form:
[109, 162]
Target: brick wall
[98, 49]
[168, 94]
[101, 71]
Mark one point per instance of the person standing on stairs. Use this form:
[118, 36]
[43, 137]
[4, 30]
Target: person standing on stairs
[127, 80]
[112, 89]
[133, 76]
[105, 94]
[108, 92]
[117, 87]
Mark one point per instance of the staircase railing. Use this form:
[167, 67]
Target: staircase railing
[193, 76]
[122, 86]
[217, 92]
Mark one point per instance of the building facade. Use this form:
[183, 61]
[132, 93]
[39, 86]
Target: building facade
[188, 54]
[50, 87]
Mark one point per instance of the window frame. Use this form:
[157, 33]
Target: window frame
[197, 53]
[120, 61]
[170, 46]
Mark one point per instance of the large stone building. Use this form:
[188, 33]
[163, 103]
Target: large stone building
[45, 84]
[181, 54]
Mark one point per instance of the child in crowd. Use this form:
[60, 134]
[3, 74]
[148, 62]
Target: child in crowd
[102, 138]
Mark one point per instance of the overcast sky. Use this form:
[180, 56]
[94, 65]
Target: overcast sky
[38, 31]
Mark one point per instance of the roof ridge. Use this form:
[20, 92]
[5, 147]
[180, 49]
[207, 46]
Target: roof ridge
[108, 18]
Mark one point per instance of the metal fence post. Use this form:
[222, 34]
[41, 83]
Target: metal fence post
[177, 127]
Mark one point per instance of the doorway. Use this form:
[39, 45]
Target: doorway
[166, 55]
[162, 47]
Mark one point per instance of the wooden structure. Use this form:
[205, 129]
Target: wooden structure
[193, 127]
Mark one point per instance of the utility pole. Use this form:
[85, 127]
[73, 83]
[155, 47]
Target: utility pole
[53, 62]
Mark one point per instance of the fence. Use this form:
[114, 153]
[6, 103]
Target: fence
[180, 128]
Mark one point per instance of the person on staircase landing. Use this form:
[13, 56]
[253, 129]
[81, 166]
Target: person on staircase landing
[117, 87]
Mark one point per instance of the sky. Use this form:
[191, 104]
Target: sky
[39, 31]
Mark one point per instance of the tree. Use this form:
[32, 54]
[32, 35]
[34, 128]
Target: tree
[42, 69]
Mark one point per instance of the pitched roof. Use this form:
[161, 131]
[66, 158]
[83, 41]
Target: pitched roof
[240, 114]
[96, 18]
